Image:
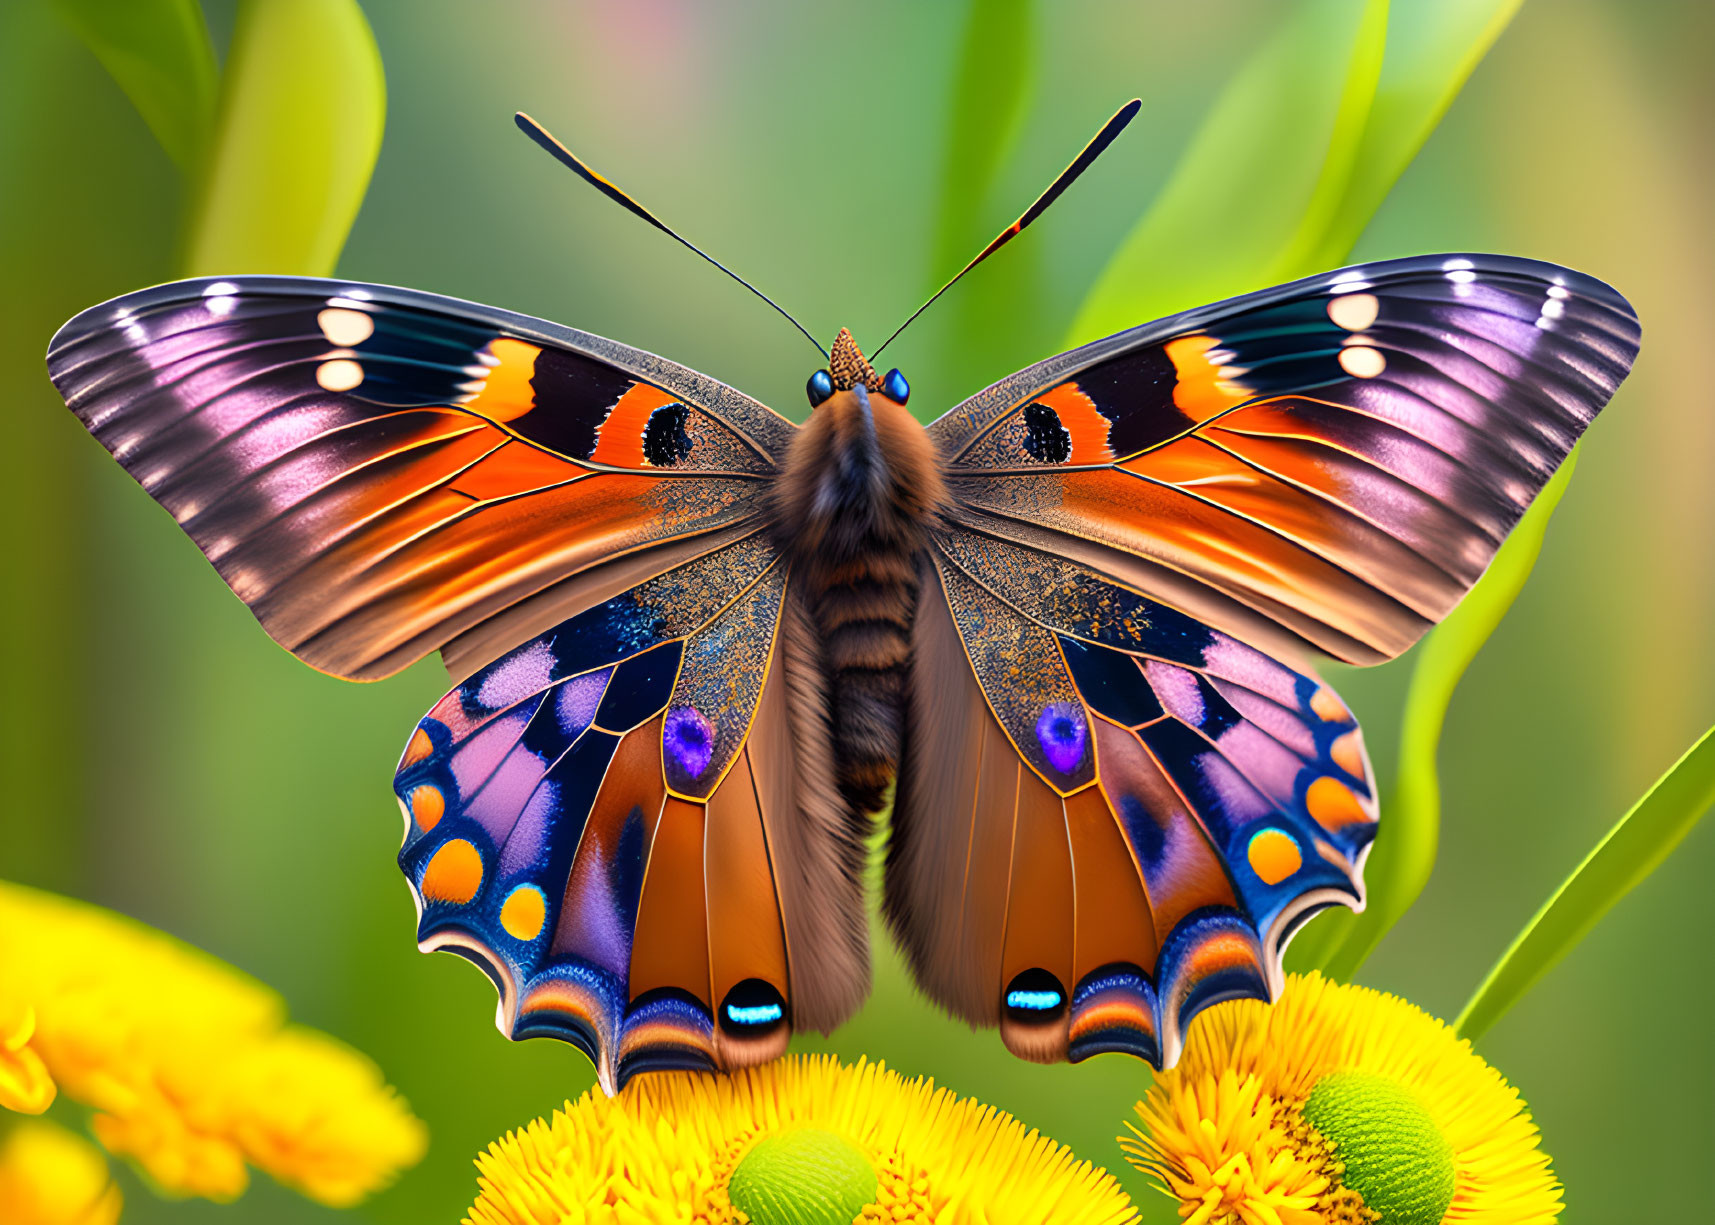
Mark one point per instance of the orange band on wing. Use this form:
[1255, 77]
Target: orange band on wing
[513, 469]
[506, 392]
[1113, 1011]
[1203, 390]
[619, 439]
[1223, 951]
[566, 997]
[1083, 421]
[670, 947]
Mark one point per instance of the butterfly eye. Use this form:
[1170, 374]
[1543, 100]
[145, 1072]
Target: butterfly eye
[819, 388]
[895, 388]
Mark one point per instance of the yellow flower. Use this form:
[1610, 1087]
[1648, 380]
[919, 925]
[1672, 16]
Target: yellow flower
[802, 1141]
[1339, 1105]
[25, 1085]
[190, 1065]
[48, 1176]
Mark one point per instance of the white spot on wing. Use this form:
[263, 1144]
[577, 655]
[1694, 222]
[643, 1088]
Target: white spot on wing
[345, 328]
[341, 374]
[1354, 312]
[1362, 362]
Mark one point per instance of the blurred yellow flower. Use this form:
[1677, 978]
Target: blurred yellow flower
[48, 1176]
[189, 1064]
[25, 1085]
[1339, 1105]
[802, 1141]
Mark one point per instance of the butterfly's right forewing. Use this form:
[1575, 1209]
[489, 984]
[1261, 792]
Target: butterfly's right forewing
[631, 824]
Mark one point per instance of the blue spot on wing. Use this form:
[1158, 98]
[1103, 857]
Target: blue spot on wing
[1036, 1001]
[755, 1014]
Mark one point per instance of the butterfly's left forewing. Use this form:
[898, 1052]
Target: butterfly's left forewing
[1323, 467]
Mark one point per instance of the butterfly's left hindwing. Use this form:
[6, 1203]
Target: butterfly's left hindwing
[1109, 815]
[591, 820]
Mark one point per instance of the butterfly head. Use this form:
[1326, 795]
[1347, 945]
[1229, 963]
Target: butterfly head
[849, 368]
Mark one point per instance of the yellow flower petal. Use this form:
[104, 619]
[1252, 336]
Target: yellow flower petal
[25, 1085]
[189, 1064]
[1240, 1088]
[48, 1176]
[664, 1149]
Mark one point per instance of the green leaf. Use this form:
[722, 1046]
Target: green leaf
[299, 127]
[1633, 849]
[160, 54]
[1297, 155]
[1277, 149]
[995, 78]
[1432, 48]
[1405, 846]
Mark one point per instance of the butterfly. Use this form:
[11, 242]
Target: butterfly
[694, 643]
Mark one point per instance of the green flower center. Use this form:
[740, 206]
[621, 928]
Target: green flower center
[1394, 1155]
[804, 1177]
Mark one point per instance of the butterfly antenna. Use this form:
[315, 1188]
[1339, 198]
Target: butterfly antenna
[1111, 129]
[579, 167]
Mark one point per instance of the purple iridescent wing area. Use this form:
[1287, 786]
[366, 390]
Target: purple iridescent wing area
[379, 473]
[595, 819]
[1323, 467]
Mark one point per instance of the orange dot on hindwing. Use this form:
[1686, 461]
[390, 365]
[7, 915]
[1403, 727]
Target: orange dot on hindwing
[1274, 855]
[427, 805]
[454, 873]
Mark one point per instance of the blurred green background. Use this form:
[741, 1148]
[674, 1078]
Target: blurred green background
[161, 757]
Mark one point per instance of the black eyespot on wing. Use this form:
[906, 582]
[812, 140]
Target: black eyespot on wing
[1035, 997]
[1047, 439]
[665, 441]
[752, 1008]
